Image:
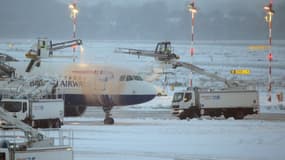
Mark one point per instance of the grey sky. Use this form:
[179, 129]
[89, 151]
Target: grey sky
[139, 19]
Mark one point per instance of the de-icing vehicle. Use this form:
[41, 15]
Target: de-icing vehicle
[163, 52]
[45, 48]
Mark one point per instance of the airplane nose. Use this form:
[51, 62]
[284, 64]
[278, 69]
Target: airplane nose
[144, 93]
[136, 92]
[150, 91]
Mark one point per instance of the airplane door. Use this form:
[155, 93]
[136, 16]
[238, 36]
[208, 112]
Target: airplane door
[102, 79]
[94, 85]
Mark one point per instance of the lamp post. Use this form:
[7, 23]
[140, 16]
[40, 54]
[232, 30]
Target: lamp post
[73, 15]
[268, 19]
[193, 10]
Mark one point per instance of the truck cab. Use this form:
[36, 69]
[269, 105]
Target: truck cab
[18, 108]
[184, 104]
[181, 99]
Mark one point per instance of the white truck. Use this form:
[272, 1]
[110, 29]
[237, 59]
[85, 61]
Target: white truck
[196, 102]
[41, 113]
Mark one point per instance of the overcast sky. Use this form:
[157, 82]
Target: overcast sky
[140, 19]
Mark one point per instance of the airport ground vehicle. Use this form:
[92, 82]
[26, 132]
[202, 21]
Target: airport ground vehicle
[34, 145]
[196, 102]
[163, 52]
[40, 113]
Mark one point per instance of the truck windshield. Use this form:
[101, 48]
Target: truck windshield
[177, 97]
[12, 106]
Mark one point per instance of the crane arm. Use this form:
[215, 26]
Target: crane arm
[43, 50]
[32, 134]
[137, 52]
[201, 71]
[65, 44]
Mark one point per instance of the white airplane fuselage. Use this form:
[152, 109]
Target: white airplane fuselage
[84, 85]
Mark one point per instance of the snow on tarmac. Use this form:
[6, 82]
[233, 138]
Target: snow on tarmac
[176, 139]
[171, 139]
[163, 138]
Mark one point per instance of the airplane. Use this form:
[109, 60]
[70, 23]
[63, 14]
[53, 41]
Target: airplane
[163, 52]
[82, 85]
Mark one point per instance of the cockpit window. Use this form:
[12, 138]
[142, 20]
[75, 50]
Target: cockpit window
[123, 78]
[129, 78]
[138, 78]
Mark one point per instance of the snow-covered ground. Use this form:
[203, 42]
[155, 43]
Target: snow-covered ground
[151, 139]
[149, 132]
[160, 138]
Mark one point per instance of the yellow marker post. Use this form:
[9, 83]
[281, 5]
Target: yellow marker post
[240, 71]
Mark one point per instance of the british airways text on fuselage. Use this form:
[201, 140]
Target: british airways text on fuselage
[78, 78]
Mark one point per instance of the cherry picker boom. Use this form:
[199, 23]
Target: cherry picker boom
[32, 134]
[45, 50]
[163, 52]
[194, 68]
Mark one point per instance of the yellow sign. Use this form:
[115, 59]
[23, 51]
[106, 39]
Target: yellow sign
[259, 47]
[240, 71]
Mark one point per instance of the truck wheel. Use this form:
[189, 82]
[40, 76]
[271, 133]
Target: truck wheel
[193, 115]
[49, 124]
[239, 114]
[56, 124]
[227, 115]
[182, 115]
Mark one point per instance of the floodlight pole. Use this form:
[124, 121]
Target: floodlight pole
[73, 15]
[268, 18]
[193, 10]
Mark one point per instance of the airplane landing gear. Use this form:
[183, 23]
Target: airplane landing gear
[108, 119]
